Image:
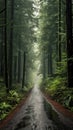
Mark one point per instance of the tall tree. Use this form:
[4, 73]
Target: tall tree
[49, 32]
[5, 49]
[59, 40]
[11, 44]
[2, 33]
[24, 62]
[69, 22]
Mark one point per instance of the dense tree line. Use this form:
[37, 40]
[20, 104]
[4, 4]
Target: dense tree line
[17, 23]
[56, 38]
[16, 41]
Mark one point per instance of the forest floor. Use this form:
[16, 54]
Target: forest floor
[57, 89]
[9, 101]
[39, 112]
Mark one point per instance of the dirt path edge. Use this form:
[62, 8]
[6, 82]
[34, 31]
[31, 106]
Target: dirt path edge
[14, 111]
[61, 109]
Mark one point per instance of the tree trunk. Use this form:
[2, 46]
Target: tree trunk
[69, 42]
[24, 62]
[44, 70]
[11, 45]
[59, 37]
[15, 69]
[44, 75]
[50, 70]
[48, 65]
[5, 50]
[2, 53]
[2, 38]
[19, 63]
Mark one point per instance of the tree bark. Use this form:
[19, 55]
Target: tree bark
[44, 70]
[5, 50]
[50, 70]
[15, 69]
[69, 42]
[59, 37]
[24, 62]
[11, 45]
[19, 63]
[2, 53]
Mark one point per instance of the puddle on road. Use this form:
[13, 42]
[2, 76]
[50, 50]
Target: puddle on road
[54, 116]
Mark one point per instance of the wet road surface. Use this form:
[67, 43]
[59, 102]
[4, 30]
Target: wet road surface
[37, 114]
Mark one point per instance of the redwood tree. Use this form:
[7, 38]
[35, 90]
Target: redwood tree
[5, 50]
[69, 42]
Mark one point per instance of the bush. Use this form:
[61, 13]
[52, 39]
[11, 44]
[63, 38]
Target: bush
[10, 100]
[13, 97]
[4, 109]
[57, 89]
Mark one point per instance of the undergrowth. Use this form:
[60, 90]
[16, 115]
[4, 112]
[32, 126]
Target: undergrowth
[58, 90]
[9, 101]
[56, 86]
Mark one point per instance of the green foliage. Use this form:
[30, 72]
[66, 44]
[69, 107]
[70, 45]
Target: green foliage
[13, 93]
[56, 86]
[57, 89]
[53, 84]
[4, 109]
[13, 97]
[9, 101]
[68, 98]
[62, 67]
[26, 89]
[4, 105]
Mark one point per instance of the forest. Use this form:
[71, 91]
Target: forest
[36, 47]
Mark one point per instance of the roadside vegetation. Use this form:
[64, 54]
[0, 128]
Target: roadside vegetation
[56, 51]
[9, 101]
[17, 56]
[56, 88]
